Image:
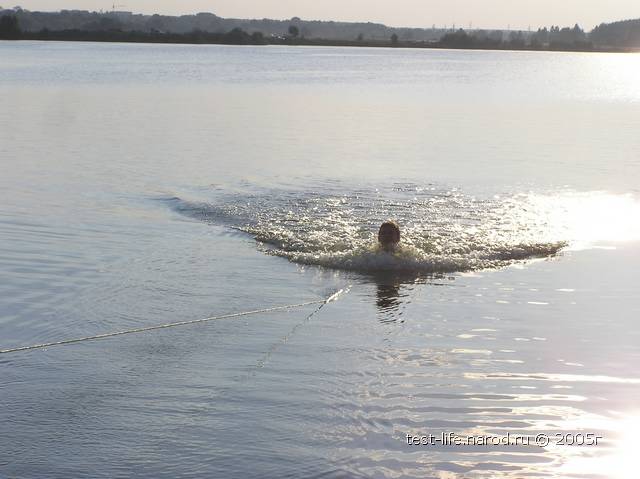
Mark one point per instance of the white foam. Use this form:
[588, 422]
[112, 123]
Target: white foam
[410, 259]
[443, 231]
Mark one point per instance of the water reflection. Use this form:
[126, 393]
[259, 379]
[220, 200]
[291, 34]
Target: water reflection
[394, 293]
[388, 297]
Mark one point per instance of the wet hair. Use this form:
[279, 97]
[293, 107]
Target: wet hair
[389, 225]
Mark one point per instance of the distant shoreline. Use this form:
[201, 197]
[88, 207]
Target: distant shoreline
[207, 28]
[243, 38]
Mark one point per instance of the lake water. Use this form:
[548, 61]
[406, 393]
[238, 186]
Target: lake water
[147, 184]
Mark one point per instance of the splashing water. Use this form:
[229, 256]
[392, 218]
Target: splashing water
[442, 230]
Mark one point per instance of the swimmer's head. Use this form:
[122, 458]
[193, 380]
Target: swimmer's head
[389, 235]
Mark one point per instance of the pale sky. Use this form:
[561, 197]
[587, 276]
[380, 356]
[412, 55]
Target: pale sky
[413, 13]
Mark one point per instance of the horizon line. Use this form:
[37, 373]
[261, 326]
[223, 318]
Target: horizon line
[452, 26]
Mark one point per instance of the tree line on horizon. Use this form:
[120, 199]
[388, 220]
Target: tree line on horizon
[208, 28]
[553, 38]
[32, 21]
[10, 30]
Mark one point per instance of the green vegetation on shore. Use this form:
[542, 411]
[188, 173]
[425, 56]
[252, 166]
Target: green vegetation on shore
[234, 37]
[109, 27]
[625, 34]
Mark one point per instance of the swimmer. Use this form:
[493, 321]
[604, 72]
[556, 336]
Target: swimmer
[389, 236]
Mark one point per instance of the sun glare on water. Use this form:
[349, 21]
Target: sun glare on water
[619, 459]
[588, 219]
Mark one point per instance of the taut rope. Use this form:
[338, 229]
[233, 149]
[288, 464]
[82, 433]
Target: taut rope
[322, 302]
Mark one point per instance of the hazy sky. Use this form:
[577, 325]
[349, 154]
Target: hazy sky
[418, 13]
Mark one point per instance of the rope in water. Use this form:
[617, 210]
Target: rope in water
[322, 302]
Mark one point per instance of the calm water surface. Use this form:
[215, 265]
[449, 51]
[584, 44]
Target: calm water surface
[144, 184]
